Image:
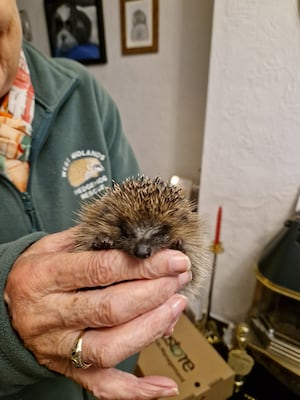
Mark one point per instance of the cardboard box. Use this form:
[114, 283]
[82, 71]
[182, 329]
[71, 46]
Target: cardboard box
[187, 357]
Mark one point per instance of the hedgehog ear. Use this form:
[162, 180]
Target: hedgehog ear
[165, 229]
[177, 245]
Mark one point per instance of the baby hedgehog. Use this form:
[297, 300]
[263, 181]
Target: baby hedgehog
[141, 216]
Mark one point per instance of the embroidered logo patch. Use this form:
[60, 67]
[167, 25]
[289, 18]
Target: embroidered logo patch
[85, 172]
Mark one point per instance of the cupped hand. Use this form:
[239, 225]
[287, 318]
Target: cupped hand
[122, 304]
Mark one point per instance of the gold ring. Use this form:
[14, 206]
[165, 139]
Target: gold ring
[76, 354]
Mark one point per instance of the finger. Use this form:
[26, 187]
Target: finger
[121, 303]
[56, 272]
[107, 307]
[72, 271]
[107, 347]
[125, 386]
[64, 241]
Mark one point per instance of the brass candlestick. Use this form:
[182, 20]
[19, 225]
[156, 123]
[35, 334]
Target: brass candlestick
[238, 359]
[209, 326]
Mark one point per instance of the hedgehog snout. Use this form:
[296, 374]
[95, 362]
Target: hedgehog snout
[142, 250]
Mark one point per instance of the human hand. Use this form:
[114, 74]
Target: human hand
[137, 304]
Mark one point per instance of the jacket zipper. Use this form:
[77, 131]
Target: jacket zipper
[30, 211]
[27, 204]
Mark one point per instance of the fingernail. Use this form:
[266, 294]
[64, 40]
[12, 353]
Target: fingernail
[170, 392]
[184, 278]
[170, 330]
[169, 333]
[178, 305]
[180, 263]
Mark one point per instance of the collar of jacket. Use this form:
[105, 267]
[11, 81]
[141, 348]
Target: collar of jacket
[52, 81]
[53, 84]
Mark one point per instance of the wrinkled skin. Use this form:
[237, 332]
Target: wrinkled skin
[49, 311]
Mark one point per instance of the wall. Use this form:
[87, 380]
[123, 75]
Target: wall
[251, 159]
[161, 96]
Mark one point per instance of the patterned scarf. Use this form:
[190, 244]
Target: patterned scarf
[16, 115]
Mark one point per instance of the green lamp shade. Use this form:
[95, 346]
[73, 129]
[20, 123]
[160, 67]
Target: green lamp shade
[279, 264]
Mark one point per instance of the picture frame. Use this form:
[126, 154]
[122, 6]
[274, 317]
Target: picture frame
[76, 30]
[139, 26]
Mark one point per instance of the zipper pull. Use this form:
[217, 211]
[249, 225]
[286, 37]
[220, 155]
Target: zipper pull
[30, 211]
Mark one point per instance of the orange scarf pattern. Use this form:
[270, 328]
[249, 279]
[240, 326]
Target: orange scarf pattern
[16, 115]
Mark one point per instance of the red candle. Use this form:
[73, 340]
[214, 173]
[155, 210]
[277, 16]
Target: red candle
[218, 226]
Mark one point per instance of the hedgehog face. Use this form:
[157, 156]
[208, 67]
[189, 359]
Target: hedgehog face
[143, 240]
[138, 238]
[140, 217]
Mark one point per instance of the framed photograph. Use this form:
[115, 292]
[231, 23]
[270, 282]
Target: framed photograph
[76, 30]
[139, 26]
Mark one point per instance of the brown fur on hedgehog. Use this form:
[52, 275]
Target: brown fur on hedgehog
[142, 216]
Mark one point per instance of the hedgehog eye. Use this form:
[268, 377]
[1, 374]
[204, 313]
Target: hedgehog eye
[124, 231]
[161, 232]
[165, 229]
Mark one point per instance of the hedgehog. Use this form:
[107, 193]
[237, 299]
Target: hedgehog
[141, 216]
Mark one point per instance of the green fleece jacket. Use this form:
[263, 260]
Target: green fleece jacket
[78, 148]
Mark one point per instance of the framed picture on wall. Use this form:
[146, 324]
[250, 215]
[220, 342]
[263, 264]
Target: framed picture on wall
[139, 26]
[76, 30]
